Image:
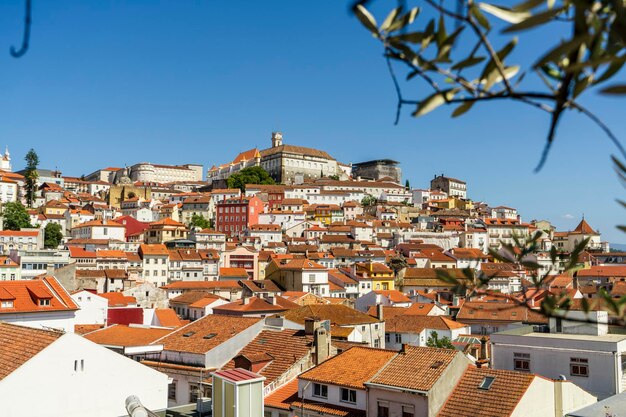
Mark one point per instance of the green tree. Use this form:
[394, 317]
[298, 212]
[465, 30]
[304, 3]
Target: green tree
[407, 185]
[250, 175]
[30, 176]
[15, 216]
[461, 58]
[52, 235]
[369, 200]
[334, 177]
[434, 341]
[198, 220]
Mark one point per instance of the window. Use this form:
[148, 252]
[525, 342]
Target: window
[383, 409]
[398, 338]
[579, 367]
[171, 390]
[408, 411]
[7, 304]
[44, 302]
[486, 382]
[521, 362]
[387, 338]
[311, 277]
[193, 393]
[320, 390]
[376, 343]
[348, 395]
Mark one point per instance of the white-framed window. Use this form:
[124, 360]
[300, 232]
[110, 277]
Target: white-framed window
[579, 367]
[320, 390]
[348, 395]
[521, 361]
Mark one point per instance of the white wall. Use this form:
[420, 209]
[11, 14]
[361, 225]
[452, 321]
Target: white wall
[62, 320]
[93, 308]
[48, 385]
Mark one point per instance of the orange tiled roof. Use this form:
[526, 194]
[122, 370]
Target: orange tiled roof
[206, 333]
[352, 368]
[17, 233]
[411, 323]
[279, 348]
[418, 368]
[99, 223]
[153, 249]
[26, 294]
[394, 295]
[338, 314]
[121, 335]
[500, 400]
[167, 317]
[256, 304]
[584, 228]
[498, 311]
[117, 299]
[283, 396]
[19, 344]
[200, 285]
[234, 272]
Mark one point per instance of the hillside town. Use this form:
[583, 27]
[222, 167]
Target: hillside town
[329, 289]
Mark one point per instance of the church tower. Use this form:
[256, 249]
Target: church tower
[5, 161]
[277, 139]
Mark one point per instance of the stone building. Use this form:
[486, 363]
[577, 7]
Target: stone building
[289, 164]
[451, 186]
[378, 169]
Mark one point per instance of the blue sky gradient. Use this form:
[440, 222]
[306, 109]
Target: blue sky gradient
[108, 83]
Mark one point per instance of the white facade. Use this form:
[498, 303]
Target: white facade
[8, 190]
[594, 363]
[93, 308]
[162, 174]
[81, 379]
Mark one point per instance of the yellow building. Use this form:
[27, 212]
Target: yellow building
[382, 276]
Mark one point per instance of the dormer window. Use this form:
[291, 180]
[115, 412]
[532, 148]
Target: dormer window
[6, 304]
[44, 301]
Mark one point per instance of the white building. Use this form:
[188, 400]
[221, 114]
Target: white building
[40, 303]
[93, 308]
[80, 377]
[585, 354]
[162, 174]
[100, 229]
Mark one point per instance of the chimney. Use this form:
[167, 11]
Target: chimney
[321, 341]
[379, 312]
[246, 300]
[310, 324]
[403, 349]
[482, 361]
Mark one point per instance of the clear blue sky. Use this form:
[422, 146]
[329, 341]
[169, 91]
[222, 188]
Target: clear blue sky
[118, 82]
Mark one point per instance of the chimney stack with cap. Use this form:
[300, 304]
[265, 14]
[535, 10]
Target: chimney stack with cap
[483, 361]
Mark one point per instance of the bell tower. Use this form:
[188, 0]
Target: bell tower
[277, 139]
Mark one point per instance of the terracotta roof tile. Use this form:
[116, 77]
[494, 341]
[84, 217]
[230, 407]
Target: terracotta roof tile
[206, 333]
[352, 368]
[280, 348]
[121, 335]
[19, 344]
[418, 368]
[500, 400]
[338, 314]
[167, 317]
[26, 294]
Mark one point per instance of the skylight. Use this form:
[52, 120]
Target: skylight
[189, 334]
[210, 336]
[486, 382]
